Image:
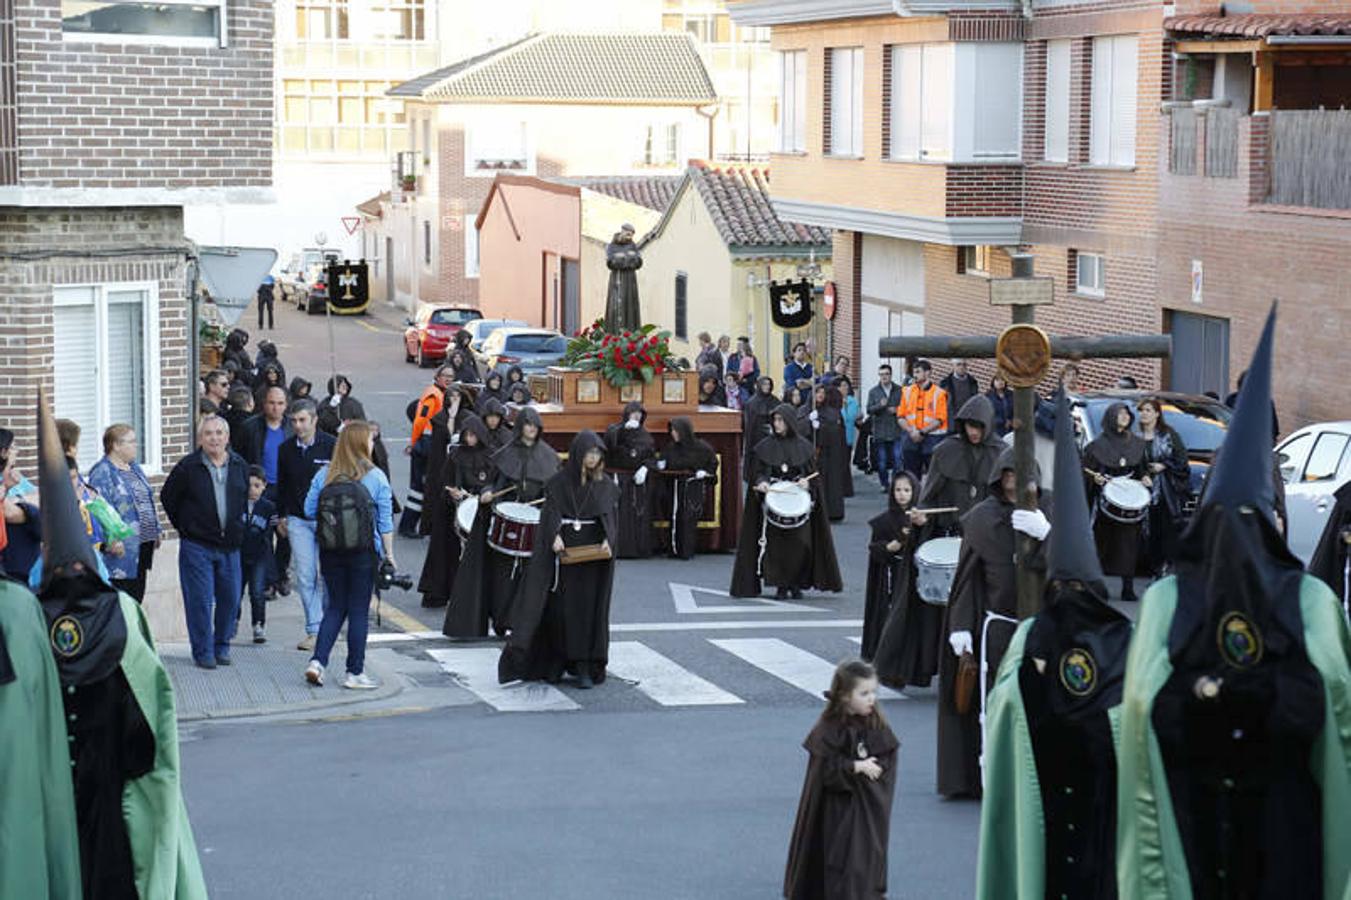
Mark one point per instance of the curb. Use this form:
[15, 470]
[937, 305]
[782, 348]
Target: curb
[389, 687]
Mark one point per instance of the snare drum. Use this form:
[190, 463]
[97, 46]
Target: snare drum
[512, 528]
[787, 505]
[935, 565]
[1124, 500]
[465, 514]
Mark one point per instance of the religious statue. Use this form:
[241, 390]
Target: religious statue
[621, 300]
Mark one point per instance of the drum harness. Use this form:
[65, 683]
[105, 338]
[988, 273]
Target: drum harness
[990, 616]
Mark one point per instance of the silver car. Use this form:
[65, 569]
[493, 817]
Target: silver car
[533, 349]
[479, 329]
[1315, 461]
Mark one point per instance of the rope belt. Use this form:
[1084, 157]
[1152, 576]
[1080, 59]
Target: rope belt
[984, 673]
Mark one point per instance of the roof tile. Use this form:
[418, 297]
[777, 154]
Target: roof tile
[652, 191]
[1259, 25]
[737, 198]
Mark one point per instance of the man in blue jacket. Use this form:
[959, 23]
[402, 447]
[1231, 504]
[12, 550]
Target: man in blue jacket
[301, 455]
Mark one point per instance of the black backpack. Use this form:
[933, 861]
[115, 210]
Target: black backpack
[345, 518]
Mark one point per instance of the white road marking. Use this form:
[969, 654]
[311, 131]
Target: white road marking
[389, 393]
[637, 627]
[856, 639]
[476, 670]
[683, 595]
[661, 679]
[794, 665]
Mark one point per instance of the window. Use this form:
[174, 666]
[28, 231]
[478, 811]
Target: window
[174, 22]
[498, 147]
[661, 145]
[793, 102]
[1057, 101]
[1090, 274]
[1112, 135]
[1292, 456]
[117, 327]
[845, 94]
[1326, 457]
[975, 260]
[347, 117]
[470, 248]
[996, 103]
[681, 305]
[535, 343]
[426, 242]
[921, 101]
[452, 316]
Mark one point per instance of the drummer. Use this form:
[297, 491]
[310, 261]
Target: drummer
[467, 470]
[960, 466]
[791, 559]
[1117, 452]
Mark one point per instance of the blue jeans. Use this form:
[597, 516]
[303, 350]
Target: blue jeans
[916, 456]
[350, 578]
[211, 579]
[886, 460]
[255, 583]
[305, 559]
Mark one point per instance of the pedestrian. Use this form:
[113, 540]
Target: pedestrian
[467, 471]
[445, 426]
[840, 837]
[69, 433]
[339, 406]
[883, 402]
[630, 454]
[216, 396]
[351, 503]
[1001, 400]
[299, 389]
[235, 342]
[849, 410]
[757, 418]
[960, 386]
[961, 465]
[789, 558]
[1117, 452]
[1169, 470]
[799, 368]
[260, 522]
[710, 388]
[238, 409]
[204, 497]
[832, 452]
[708, 353]
[270, 375]
[743, 361]
[266, 297]
[119, 479]
[561, 618]
[735, 393]
[267, 356]
[690, 466]
[923, 414]
[300, 457]
[421, 412]
[901, 632]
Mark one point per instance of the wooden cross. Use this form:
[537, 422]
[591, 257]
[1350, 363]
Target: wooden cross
[1023, 293]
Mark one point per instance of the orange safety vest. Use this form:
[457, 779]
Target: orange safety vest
[428, 405]
[922, 408]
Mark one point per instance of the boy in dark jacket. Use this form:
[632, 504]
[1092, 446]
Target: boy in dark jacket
[260, 521]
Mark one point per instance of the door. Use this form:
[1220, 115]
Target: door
[572, 295]
[389, 270]
[1313, 463]
[1200, 361]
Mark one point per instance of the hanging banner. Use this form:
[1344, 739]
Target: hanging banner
[790, 304]
[348, 288]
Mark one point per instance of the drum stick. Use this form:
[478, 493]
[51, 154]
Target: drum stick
[938, 510]
[501, 493]
[535, 502]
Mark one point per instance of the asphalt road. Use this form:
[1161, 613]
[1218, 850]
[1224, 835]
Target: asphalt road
[678, 777]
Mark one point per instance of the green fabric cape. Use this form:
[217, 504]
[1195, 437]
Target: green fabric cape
[1012, 856]
[39, 844]
[1150, 859]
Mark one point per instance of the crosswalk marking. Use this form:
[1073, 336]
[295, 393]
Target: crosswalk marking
[856, 639]
[661, 679]
[788, 663]
[476, 669]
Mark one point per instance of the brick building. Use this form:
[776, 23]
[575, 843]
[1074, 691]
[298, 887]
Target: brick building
[112, 118]
[935, 136]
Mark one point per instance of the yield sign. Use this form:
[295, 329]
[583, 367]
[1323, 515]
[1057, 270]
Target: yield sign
[683, 595]
[351, 223]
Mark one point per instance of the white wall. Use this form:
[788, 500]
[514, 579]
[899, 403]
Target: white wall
[893, 299]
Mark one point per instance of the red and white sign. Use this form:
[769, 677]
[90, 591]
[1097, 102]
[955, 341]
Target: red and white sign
[351, 223]
[828, 300]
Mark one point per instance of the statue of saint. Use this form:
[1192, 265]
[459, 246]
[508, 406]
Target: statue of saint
[621, 300]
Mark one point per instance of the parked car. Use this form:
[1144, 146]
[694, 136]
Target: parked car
[481, 328]
[432, 330]
[1315, 461]
[302, 272]
[533, 349]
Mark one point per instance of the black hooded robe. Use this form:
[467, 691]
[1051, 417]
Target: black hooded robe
[434, 500]
[626, 451]
[757, 419]
[900, 631]
[959, 470]
[832, 460]
[1114, 453]
[685, 501]
[561, 618]
[838, 850]
[469, 469]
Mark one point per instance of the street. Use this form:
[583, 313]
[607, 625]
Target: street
[678, 777]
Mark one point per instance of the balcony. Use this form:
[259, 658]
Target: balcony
[790, 12]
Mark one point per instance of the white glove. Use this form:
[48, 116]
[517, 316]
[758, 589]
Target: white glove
[814, 416]
[1031, 522]
[661, 465]
[631, 424]
[640, 477]
[335, 400]
[960, 642]
[701, 474]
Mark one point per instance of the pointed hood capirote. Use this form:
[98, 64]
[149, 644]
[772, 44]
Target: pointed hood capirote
[1071, 554]
[67, 556]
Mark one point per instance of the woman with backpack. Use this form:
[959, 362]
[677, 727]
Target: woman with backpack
[352, 505]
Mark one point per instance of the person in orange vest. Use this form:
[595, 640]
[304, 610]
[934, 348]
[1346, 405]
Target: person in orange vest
[421, 412]
[923, 414]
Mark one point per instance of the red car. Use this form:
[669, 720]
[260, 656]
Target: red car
[430, 334]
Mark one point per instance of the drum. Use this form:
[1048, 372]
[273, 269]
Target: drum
[1124, 500]
[787, 506]
[935, 564]
[512, 528]
[465, 514]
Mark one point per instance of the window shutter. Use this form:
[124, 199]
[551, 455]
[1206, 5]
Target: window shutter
[787, 109]
[999, 100]
[856, 100]
[906, 94]
[1125, 52]
[936, 117]
[1057, 101]
[841, 99]
[126, 354]
[681, 305]
[1100, 136]
[799, 97]
[75, 394]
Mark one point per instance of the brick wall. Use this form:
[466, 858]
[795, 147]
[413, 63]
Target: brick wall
[136, 116]
[983, 190]
[847, 261]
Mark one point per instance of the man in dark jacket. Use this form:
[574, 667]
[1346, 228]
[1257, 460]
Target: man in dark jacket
[882, 402]
[259, 441]
[960, 467]
[961, 386]
[205, 497]
[300, 456]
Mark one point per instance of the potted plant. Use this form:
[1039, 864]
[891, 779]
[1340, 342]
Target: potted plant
[409, 183]
[211, 344]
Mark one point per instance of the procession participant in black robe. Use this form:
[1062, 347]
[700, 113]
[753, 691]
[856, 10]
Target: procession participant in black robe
[462, 362]
[493, 388]
[690, 466]
[494, 416]
[1115, 452]
[832, 451]
[1170, 473]
[629, 454]
[711, 391]
[838, 850]
[446, 425]
[1330, 557]
[519, 395]
[561, 622]
[960, 466]
[900, 631]
[755, 418]
[788, 559]
[467, 471]
[515, 375]
[981, 616]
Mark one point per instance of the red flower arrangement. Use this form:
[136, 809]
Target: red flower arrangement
[621, 358]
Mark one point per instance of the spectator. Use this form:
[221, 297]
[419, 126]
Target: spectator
[339, 406]
[850, 410]
[1231, 401]
[216, 398]
[235, 342]
[238, 409]
[923, 415]
[960, 386]
[743, 362]
[270, 375]
[708, 353]
[299, 389]
[119, 479]
[23, 525]
[842, 368]
[883, 401]
[266, 296]
[204, 497]
[260, 519]
[799, 367]
[724, 352]
[1001, 398]
[736, 395]
[349, 569]
[1044, 420]
[261, 436]
[69, 433]
[300, 456]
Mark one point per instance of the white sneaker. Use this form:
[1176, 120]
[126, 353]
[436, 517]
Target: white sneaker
[362, 682]
[259, 635]
[314, 673]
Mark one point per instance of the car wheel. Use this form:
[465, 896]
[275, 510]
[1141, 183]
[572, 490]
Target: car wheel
[422, 362]
[407, 357]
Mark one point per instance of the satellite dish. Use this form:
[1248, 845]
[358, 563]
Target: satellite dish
[232, 275]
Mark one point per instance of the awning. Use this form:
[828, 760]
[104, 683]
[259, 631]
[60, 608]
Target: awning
[1258, 26]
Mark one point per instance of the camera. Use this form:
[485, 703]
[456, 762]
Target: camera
[387, 578]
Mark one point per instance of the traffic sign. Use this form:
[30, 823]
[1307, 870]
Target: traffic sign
[351, 223]
[1022, 291]
[828, 300]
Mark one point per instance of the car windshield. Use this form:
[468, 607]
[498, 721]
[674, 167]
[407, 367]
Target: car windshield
[536, 343]
[452, 316]
[1202, 425]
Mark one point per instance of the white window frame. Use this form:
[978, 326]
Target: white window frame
[853, 115]
[922, 130]
[661, 146]
[793, 101]
[1056, 137]
[221, 6]
[1097, 264]
[151, 438]
[471, 154]
[471, 247]
[1114, 100]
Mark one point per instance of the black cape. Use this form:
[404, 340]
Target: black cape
[469, 469]
[1114, 453]
[627, 450]
[832, 460]
[756, 421]
[900, 631]
[434, 502]
[959, 470]
[685, 497]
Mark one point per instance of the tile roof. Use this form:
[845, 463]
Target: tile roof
[371, 207]
[652, 191]
[737, 198]
[662, 68]
[1259, 25]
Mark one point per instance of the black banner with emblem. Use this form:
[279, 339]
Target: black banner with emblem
[348, 287]
[790, 304]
